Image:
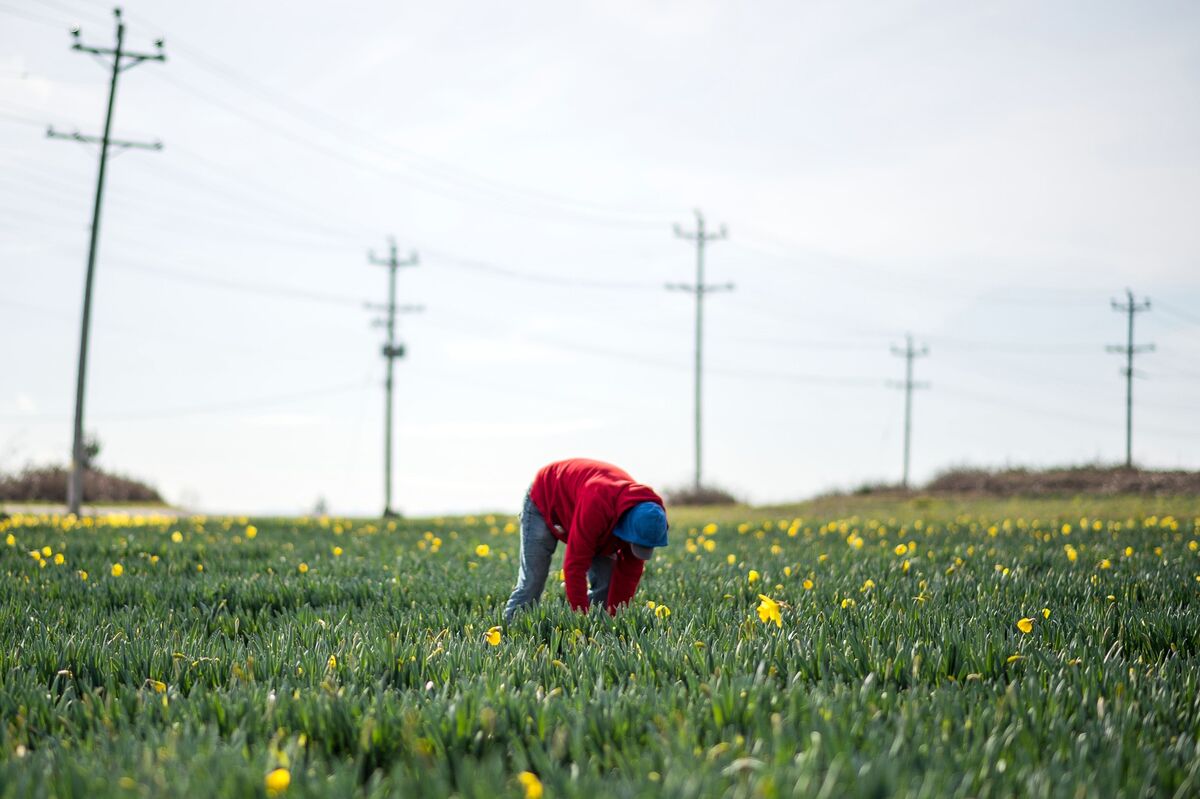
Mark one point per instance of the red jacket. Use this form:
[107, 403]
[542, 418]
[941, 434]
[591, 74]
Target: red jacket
[581, 501]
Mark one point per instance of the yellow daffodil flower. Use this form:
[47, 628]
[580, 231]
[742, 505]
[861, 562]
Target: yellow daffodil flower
[768, 611]
[531, 784]
[277, 781]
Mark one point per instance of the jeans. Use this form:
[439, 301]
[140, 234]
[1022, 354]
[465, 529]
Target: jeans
[537, 548]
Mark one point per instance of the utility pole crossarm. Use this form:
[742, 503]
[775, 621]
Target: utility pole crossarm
[133, 58]
[375, 306]
[1117, 305]
[51, 133]
[700, 235]
[392, 261]
[137, 58]
[909, 352]
[1121, 349]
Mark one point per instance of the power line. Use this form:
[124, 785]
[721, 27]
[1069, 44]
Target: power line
[25, 15]
[259, 402]
[815, 344]
[839, 265]
[95, 16]
[859, 269]
[1171, 368]
[279, 291]
[436, 177]
[371, 141]
[194, 410]
[283, 291]
[270, 205]
[121, 60]
[22, 120]
[1013, 348]
[748, 309]
[540, 392]
[274, 290]
[391, 351]
[42, 312]
[1130, 308]
[464, 323]
[11, 106]
[1009, 403]
[908, 353]
[1178, 313]
[433, 184]
[286, 291]
[1051, 376]
[269, 200]
[301, 235]
[538, 278]
[1071, 416]
[534, 277]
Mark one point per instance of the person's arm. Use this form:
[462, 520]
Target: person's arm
[626, 574]
[587, 529]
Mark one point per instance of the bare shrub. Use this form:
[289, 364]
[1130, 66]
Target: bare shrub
[1093, 479]
[49, 484]
[704, 495]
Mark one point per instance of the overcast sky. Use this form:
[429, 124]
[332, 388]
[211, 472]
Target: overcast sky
[986, 175]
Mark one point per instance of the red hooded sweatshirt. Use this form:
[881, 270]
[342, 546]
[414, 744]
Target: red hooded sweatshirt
[581, 501]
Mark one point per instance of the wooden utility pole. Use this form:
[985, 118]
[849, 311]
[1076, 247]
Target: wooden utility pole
[121, 60]
[1131, 308]
[391, 351]
[908, 353]
[700, 288]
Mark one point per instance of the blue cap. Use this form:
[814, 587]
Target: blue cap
[644, 526]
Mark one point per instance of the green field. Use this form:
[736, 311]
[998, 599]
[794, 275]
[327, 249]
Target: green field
[350, 658]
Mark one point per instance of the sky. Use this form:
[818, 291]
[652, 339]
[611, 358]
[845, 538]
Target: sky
[984, 176]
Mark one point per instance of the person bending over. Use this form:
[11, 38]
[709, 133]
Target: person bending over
[610, 524]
